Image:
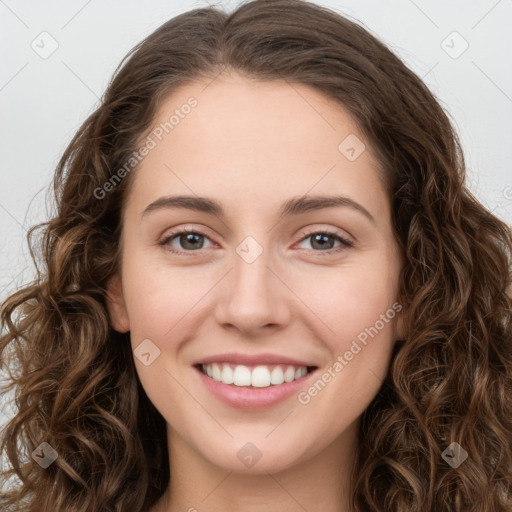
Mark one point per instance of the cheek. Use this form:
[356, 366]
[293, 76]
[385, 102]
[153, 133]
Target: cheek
[351, 298]
[361, 311]
[358, 305]
[158, 296]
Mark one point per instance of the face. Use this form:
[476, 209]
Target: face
[255, 287]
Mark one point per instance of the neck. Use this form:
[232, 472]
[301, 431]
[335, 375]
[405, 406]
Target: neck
[320, 482]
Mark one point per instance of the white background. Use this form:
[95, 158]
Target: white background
[44, 101]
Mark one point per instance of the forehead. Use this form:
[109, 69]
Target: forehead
[252, 139]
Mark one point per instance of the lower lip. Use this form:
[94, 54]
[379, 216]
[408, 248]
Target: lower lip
[252, 398]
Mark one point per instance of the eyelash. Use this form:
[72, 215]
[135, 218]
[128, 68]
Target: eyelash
[345, 243]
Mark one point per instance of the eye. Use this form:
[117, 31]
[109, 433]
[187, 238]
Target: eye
[188, 239]
[320, 240]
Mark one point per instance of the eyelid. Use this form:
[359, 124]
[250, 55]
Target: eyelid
[346, 242]
[165, 240]
[328, 231]
[188, 228]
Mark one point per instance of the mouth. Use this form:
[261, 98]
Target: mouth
[256, 376]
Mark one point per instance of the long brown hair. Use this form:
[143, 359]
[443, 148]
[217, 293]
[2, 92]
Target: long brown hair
[449, 381]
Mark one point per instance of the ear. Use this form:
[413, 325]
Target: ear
[116, 305]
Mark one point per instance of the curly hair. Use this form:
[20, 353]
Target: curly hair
[450, 379]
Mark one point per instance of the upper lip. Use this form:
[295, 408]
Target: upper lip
[252, 359]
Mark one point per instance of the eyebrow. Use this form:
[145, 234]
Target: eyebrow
[293, 206]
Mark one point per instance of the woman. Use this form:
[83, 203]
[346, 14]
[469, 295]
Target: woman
[339, 339]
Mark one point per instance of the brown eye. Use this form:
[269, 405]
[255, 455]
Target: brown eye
[190, 240]
[186, 240]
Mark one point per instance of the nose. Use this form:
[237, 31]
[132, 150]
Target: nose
[253, 297]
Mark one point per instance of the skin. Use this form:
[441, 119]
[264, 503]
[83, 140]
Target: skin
[252, 145]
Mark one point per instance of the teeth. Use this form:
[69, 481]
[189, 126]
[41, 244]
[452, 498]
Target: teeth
[242, 376]
[289, 374]
[277, 376]
[258, 376]
[300, 372]
[227, 374]
[216, 372]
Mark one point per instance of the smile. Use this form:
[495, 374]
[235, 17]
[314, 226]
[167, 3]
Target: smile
[260, 376]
